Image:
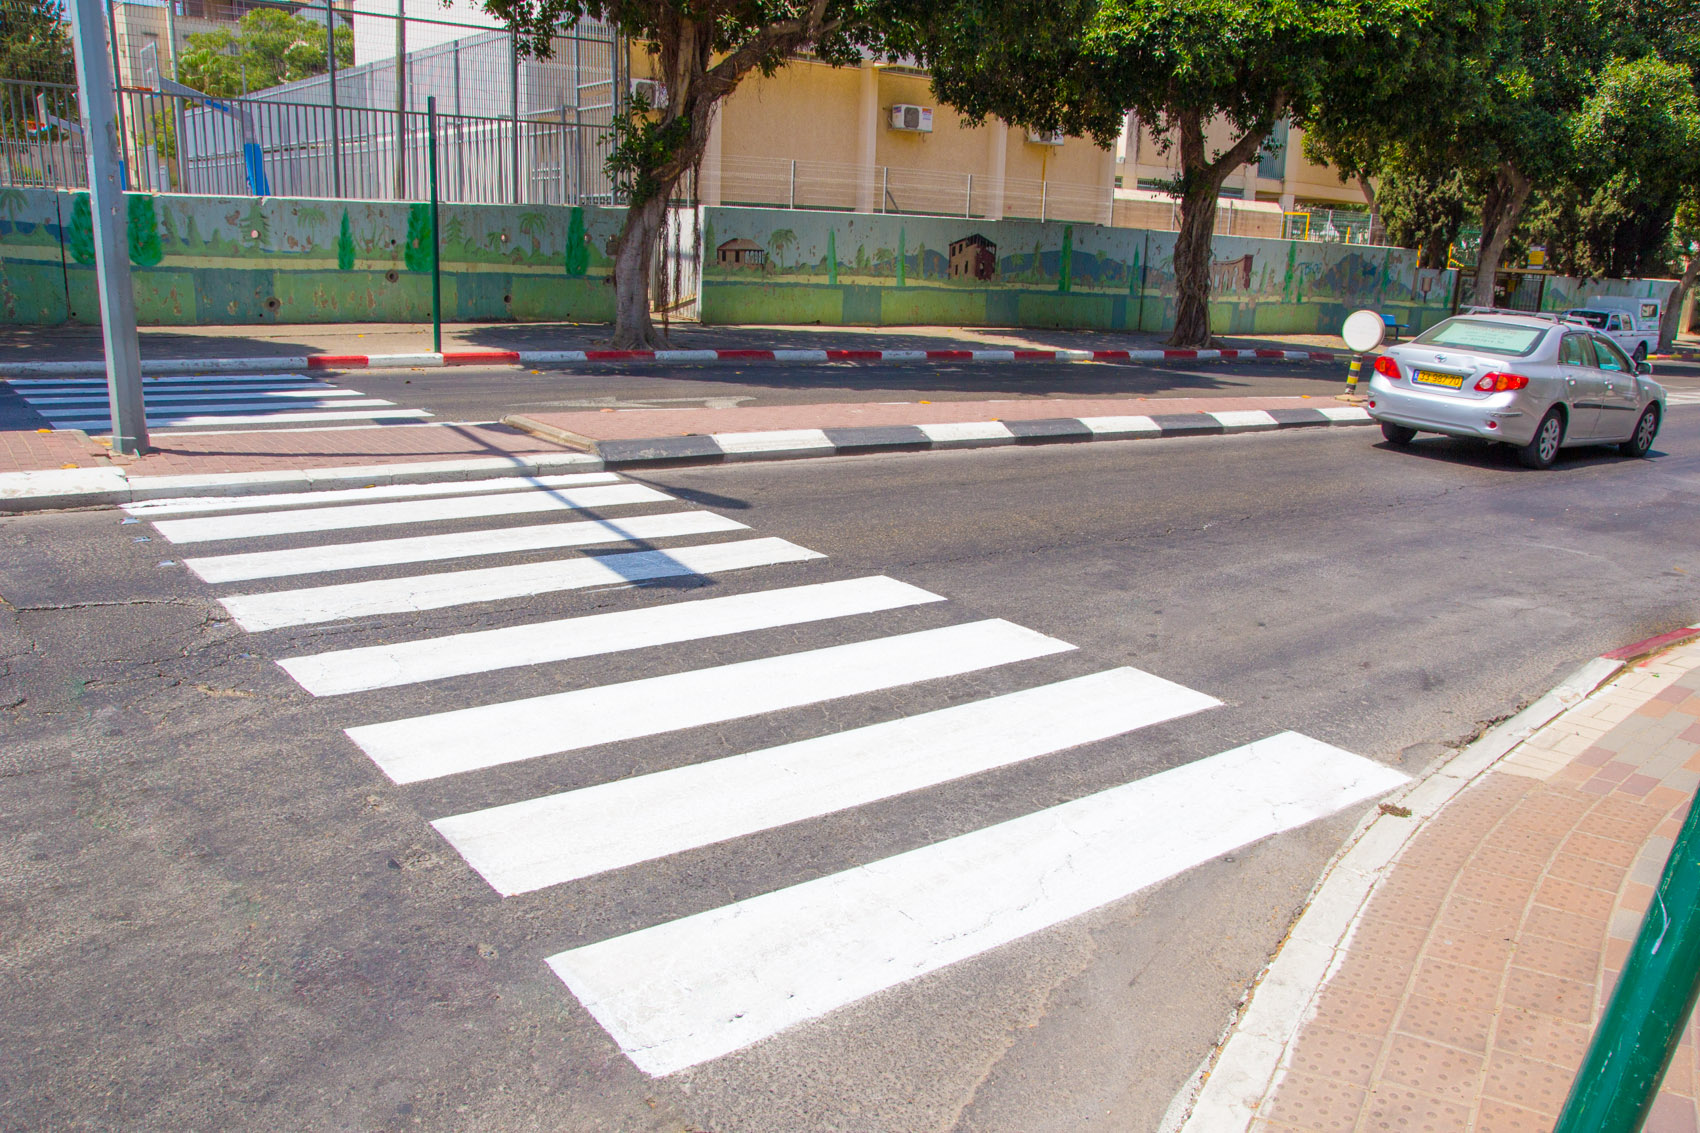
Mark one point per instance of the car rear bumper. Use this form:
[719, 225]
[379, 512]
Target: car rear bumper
[1497, 418]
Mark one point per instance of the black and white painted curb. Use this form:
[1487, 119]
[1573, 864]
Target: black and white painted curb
[791, 444]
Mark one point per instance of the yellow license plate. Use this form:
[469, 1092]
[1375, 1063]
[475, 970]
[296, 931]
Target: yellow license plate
[1430, 378]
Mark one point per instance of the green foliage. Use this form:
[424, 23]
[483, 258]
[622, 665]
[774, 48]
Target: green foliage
[576, 256]
[345, 244]
[1065, 263]
[269, 47]
[1425, 211]
[35, 45]
[143, 228]
[80, 239]
[416, 253]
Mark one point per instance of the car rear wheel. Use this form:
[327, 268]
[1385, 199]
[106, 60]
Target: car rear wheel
[1543, 450]
[1641, 441]
[1397, 434]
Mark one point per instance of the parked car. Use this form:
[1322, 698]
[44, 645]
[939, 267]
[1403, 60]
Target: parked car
[1631, 323]
[1536, 382]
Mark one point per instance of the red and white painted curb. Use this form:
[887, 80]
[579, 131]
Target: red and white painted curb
[536, 358]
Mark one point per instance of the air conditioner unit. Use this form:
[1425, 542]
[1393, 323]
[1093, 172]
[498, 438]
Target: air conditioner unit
[1045, 137]
[652, 91]
[916, 118]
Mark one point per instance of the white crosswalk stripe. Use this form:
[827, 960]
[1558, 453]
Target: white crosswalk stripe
[687, 990]
[458, 545]
[254, 612]
[539, 643]
[539, 842]
[283, 400]
[221, 527]
[466, 739]
[1683, 397]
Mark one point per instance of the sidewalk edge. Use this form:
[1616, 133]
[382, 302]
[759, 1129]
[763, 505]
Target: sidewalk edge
[1225, 1092]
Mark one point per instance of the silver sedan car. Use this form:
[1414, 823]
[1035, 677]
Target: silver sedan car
[1536, 382]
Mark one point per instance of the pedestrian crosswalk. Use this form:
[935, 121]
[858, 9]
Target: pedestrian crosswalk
[211, 402]
[719, 653]
[1683, 397]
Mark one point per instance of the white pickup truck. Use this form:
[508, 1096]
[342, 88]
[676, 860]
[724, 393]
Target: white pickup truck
[1631, 323]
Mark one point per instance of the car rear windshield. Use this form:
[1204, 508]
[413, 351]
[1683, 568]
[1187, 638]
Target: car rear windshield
[1596, 319]
[1485, 335]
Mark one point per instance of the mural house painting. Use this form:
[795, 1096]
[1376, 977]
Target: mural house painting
[741, 253]
[973, 257]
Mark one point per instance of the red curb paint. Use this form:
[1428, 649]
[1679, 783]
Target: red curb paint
[1321, 356]
[854, 355]
[1269, 353]
[1111, 356]
[752, 355]
[1037, 355]
[480, 357]
[951, 355]
[336, 361]
[1640, 648]
[1229, 353]
[1180, 354]
[619, 355]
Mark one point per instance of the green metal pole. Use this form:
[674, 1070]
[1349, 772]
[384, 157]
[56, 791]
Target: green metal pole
[1643, 1023]
[436, 242]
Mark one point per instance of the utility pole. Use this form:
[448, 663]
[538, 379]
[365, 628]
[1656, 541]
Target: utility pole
[111, 240]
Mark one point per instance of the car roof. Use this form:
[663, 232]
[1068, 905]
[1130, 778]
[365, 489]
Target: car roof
[1543, 319]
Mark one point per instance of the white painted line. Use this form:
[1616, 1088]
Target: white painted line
[457, 545]
[432, 658]
[31, 384]
[1074, 355]
[968, 431]
[1244, 420]
[255, 612]
[382, 361]
[466, 739]
[189, 504]
[1343, 413]
[284, 397]
[281, 417]
[686, 355]
[1114, 425]
[799, 356]
[903, 356]
[215, 413]
[690, 990]
[541, 842]
[261, 524]
[993, 355]
[774, 440]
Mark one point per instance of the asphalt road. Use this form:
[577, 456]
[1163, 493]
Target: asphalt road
[217, 913]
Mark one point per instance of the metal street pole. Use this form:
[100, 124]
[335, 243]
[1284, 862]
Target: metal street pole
[436, 242]
[336, 130]
[1643, 1024]
[111, 240]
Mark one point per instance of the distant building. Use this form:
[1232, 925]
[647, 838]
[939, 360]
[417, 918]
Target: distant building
[741, 253]
[973, 257]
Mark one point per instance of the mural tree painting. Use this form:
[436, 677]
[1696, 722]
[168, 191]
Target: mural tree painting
[416, 253]
[780, 240]
[902, 253]
[832, 257]
[532, 224]
[345, 245]
[576, 258]
[1065, 263]
[1080, 65]
[80, 240]
[702, 50]
[143, 229]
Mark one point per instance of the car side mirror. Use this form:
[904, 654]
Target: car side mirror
[1643, 367]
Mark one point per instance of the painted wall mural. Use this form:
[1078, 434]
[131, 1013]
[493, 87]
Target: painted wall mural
[261, 260]
[780, 266]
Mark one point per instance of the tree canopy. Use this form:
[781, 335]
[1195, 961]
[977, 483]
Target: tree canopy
[268, 47]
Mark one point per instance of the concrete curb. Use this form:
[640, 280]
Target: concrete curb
[1225, 1093]
[526, 358]
[793, 444]
[58, 488]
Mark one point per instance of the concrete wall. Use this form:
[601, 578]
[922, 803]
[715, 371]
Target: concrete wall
[199, 260]
[893, 270]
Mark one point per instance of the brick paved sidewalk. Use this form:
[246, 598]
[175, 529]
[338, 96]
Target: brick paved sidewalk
[1486, 953]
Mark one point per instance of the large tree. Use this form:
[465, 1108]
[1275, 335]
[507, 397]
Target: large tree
[702, 50]
[1181, 65]
[268, 47]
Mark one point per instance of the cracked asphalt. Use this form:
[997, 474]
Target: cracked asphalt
[215, 913]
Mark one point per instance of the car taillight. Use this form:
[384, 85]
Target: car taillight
[1386, 367]
[1499, 383]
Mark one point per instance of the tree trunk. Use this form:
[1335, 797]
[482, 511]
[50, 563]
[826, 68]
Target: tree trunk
[633, 329]
[1502, 208]
[1201, 181]
[1671, 325]
[1377, 233]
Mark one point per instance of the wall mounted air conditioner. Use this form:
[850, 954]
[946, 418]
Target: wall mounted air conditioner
[652, 91]
[1045, 137]
[918, 119]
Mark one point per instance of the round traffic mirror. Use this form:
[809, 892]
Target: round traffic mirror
[1363, 331]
